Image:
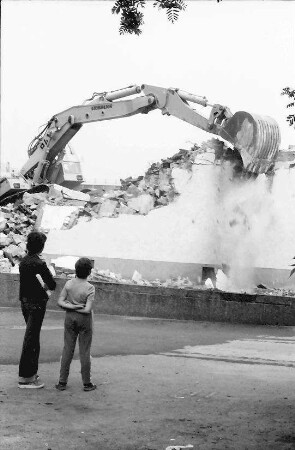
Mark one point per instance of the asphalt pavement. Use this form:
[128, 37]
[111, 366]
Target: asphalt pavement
[120, 335]
[161, 383]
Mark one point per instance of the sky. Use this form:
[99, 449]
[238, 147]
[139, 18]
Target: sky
[55, 54]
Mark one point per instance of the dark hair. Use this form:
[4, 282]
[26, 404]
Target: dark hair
[83, 267]
[35, 242]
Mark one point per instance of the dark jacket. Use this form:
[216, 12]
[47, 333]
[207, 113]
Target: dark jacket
[30, 287]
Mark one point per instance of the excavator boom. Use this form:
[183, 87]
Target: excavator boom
[257, 138]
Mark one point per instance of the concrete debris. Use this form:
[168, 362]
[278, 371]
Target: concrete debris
[142, 204]
[3, 222]
[180, 282]
[14, 250]
[66, 262]
[123, 209]
[179, 447]
[135, 196]
[137, 278]
[34, 211]
[34, 199]
[109, 277]
[209, 284]
[5, 240]
[5, 265]
[222, 281]
[16, 222]
[278, 292]
[106, 276]
[65, 267]
[55, 216]
[60, 191]
[63, 208]
[108, 208]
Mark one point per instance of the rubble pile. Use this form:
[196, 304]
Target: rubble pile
[278, 292]
[16, 222]
[107, 276]
[138, 195]
[64, 267]
[135, 196]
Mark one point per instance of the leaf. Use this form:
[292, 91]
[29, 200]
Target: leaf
[131, 18]
[172, 6]
[289, 92]
[291, 119]
[291, 273]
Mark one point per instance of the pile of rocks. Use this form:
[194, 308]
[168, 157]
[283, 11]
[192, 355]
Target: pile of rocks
[135, 196]
[106, 276]
[16, 222]
[138, 195]
[278, 292]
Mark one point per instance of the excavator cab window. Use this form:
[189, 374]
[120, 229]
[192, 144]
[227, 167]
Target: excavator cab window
[71, 167]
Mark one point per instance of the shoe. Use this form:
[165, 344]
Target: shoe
[61, 386]
[32, 385]
[89, 387]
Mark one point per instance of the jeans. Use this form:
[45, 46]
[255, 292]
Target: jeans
[33, 314]
[77, 325]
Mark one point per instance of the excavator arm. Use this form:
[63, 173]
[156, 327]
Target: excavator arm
[62, 127]
[256, 138]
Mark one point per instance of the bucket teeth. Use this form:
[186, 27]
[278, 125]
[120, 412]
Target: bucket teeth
[256, 137]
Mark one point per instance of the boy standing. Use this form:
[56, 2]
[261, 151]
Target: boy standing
[76, 298]
[33, 297]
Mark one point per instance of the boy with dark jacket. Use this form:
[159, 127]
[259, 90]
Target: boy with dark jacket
[33, 297]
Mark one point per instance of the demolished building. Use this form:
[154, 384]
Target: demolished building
[186, 218]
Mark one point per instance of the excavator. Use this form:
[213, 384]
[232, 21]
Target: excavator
[255, 137]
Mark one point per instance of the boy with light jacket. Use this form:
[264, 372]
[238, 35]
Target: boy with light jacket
[76, 299]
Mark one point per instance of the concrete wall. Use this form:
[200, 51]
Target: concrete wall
[168, 303]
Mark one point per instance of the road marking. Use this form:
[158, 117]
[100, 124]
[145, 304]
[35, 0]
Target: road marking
[262, 350]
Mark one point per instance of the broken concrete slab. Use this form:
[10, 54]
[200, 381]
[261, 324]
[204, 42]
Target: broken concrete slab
[108, 208]
[54, 216]
[143, 204]
[3, 222]
[124, 209]
[5, 240]
[34, 199]
[56, 191]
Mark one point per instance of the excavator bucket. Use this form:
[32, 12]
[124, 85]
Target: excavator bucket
[13, 196]
[257, 138]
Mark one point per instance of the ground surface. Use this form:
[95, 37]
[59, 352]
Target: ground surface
[160, 383]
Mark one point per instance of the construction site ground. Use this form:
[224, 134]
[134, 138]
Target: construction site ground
[161, 383]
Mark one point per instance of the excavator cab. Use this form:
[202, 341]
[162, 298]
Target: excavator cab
[66, 171]
[69, 174]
